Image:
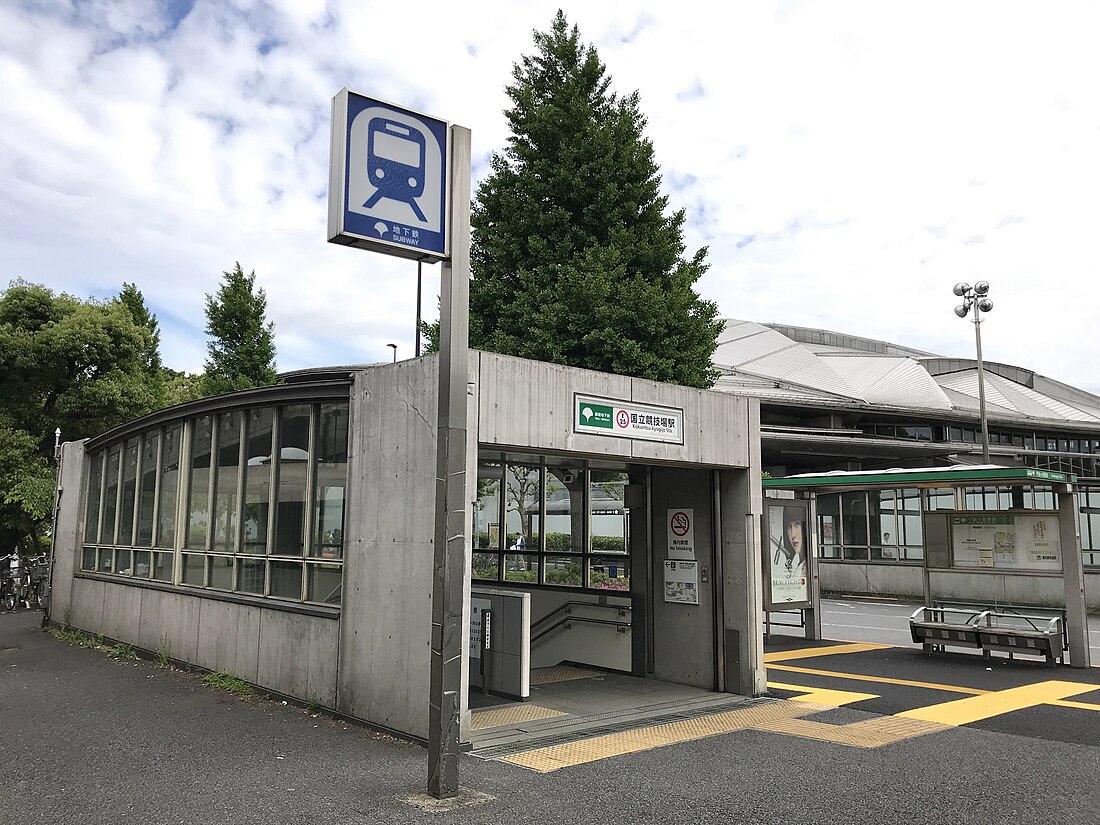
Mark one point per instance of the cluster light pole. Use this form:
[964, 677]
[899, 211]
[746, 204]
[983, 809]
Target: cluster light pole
[975, 297]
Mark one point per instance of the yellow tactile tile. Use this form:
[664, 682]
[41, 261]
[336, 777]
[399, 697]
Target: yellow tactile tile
[814, 652]
[511, 715]
[870, 733]
[563, 673]
[554, 757]
[823, 696]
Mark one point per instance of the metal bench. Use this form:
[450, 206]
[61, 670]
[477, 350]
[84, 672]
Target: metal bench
[936, 627]
[1017, 633]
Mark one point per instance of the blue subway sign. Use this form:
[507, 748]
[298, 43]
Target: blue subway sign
[387, 178]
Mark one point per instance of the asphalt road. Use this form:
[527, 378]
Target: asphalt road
[87, 739]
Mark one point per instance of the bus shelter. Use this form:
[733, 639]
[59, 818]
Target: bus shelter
[995, 557]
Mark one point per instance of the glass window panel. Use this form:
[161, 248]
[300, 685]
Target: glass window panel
[198, 507]
[606, 498]
[290, 508]
[286, 579]
[194, 568]
[106, 557]
[169, 487]
[147, 489]
[487, 509]
[331, 479]
[110, 497]
[486, 566]
[141, 563]
[522, 499]
[854, 519]
[564, 510]
[122, 561]
[521, 567]
[609, 574]
[87, 559]
[1094, 532]
[95, 492]
[887, 525]
[257, 482]
[162, 567]
[324, 583]
[1044, 499]
[226, 498]
[221, 572]
[853, 553]
[128, 499]
[251, 575]
[563, 571]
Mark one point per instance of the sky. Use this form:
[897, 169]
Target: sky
[845, 163]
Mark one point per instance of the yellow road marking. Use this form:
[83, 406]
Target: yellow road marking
[514, 715]
[814, 652]
[885, 680]
[976, 708]
[823, 696]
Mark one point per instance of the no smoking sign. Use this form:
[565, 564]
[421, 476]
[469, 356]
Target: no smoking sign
[681, 533]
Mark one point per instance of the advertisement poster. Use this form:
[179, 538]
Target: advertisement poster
[682, 582]
[786, 555]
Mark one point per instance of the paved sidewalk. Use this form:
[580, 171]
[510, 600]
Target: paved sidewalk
[90, 740]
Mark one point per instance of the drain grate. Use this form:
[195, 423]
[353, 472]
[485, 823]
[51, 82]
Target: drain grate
[589, 732]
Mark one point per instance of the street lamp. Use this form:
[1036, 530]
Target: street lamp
[394, 348]
[975, 296]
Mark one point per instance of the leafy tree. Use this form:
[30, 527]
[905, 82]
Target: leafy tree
[574, 259]
[82, 366]
[241, 352]
[181, 387]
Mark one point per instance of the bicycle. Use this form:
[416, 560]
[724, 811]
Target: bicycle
[9, 585]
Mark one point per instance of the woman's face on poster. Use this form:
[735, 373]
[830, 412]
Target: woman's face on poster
[794, 536]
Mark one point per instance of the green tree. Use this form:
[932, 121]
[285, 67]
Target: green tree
[134, 301]
[80, 366]
[574, 259]
[241, 352]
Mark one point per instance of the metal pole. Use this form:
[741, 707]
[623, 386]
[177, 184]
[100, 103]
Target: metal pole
[451, 527]
[981, 383]
[419, 288]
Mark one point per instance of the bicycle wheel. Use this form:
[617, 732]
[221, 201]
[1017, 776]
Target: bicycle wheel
[9, 599]
[40, 594]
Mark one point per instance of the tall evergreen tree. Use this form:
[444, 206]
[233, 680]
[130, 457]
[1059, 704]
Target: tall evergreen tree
[574, 259]
[132, 298]
[241, 352]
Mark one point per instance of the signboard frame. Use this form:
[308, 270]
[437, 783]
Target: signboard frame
[611, 424]
[777, 549]
[347, 226]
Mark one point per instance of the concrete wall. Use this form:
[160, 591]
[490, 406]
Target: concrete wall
[860, 579]
[385, 637]
[530, 404]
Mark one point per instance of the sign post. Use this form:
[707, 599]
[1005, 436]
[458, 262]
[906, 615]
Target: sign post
[399, 183]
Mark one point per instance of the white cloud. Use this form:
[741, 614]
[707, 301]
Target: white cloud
[875, 153]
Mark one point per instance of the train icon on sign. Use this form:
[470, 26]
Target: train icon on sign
[396, 163]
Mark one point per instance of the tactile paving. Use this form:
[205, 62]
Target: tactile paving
[511, 715]
[562, 673]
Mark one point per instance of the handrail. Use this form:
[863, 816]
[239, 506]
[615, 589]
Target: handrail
[568, 606]
[565, 620]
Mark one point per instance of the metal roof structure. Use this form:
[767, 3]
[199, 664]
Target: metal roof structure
[787, 365]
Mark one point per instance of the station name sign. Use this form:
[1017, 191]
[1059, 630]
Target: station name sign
[625, 419]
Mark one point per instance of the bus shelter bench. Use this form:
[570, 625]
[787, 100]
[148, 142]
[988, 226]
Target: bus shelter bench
[936, 627]
[1017, 633]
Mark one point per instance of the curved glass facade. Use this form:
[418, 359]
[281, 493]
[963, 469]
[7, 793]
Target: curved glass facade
[248, 500]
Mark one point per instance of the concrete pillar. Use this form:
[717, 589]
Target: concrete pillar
[1073, 576]
[68, 533]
